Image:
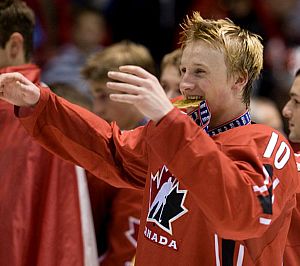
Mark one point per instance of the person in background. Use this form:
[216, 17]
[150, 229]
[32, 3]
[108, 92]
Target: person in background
[71, 94]
[264, 111]
[170, 73]
[42, 215]
[116, 211]
[95, 73]
[218, 189]
[291, 111]
[88, 33]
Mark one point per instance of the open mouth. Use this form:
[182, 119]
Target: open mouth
[189, 101]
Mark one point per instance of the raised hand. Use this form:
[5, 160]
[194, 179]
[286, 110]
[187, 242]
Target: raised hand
[18, 90]
[139, 87]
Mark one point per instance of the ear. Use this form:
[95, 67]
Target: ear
[240, 81]
[15, 47]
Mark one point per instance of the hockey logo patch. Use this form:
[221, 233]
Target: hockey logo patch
[166, 203]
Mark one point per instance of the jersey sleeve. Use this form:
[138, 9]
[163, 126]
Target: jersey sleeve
[85, 139]
[241, 186]
[116, 214]
[123, 227]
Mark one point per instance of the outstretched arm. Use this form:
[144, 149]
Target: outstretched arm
[77, 135]
[18, 90]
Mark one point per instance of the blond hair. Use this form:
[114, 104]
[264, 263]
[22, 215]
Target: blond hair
[114, 56]
[243, 50]
[173, 58]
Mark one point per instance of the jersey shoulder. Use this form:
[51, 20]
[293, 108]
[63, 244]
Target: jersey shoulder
[258, 144]
[250, 134]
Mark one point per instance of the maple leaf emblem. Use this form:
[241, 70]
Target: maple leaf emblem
[166, 200]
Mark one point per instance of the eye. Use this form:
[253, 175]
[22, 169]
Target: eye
[199, 71]
[295, 101]
[102, 96]
[182, 70]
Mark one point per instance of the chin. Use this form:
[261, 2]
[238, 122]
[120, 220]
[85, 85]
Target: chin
[294, 138]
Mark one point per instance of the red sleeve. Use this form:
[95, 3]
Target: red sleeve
[227, 181]
[85, 139]
[292, 248]
[116, 214]
[123, 227]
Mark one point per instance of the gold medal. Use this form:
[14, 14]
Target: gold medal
[186, 103]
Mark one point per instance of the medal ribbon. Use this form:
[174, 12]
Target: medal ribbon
[202, 115]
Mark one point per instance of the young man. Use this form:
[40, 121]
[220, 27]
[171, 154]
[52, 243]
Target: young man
[116, 211]
[292, 112]
[39, 203]
[218, 190]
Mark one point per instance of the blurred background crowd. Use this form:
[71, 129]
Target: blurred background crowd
[68, 31]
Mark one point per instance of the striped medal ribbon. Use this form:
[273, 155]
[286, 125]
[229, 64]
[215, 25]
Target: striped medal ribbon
[202, 116]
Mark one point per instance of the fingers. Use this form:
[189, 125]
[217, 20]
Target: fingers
[9, 78]
[124, 87]
[130, 74]
[136, 70]
[125, 77]
[124, 98]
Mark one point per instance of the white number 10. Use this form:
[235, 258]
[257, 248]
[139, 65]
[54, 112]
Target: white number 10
[282, 154]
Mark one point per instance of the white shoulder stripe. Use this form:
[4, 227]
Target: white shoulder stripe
[264, 221]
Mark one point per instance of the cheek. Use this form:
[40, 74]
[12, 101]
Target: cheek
[97, 106]
[117, 110]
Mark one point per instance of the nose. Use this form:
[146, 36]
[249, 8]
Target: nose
[185, 85]
[287, 111]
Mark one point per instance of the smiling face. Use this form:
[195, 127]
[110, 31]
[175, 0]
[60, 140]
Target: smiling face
[204, 74]
[292, 111]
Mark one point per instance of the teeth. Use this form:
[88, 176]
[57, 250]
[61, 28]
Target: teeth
[193, 97]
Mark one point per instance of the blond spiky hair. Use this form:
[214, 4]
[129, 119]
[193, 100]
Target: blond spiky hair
[243, 51]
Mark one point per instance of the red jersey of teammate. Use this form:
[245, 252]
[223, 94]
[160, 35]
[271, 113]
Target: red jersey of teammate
[116, 214]
[218, 200]
[39, 204]
[292, 250]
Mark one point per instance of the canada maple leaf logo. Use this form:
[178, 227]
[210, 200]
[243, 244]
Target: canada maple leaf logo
[166, 200]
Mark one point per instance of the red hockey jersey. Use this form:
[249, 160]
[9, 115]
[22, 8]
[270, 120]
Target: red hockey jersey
[116, 214]
[292, 250]
[39, 204]
[219, 200]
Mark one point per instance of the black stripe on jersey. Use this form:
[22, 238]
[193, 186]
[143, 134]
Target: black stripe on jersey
[266, 202]
[269, 169]
[227, 252]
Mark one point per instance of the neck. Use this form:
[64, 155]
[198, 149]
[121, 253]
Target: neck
[224, 117]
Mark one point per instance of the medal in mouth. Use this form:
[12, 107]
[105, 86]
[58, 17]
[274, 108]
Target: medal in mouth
[191, 101]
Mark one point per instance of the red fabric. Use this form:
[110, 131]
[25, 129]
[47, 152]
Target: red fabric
[226, 187]
[62, 15]
[39, 207]
[292, 250]
[116, 215]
